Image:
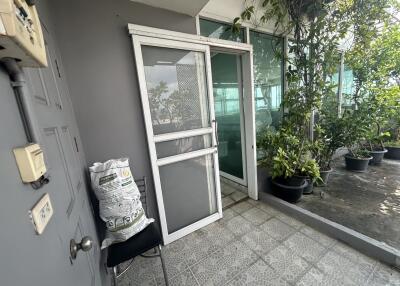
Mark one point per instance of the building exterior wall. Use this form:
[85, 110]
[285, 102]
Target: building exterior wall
[99, 61]
[26, 257]
[17, 198]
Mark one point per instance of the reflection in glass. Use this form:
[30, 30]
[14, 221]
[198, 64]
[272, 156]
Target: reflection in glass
[268, 81]
[218, 30]
[189, 191]
[183, 145]
[347, 100]
[176, 87]
[226, 74]
[347, 87]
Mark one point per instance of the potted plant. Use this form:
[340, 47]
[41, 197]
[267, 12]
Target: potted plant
[393, 150]
[354, 125]
[393, 145]
[323, 149]
[375, 145]
[392, 99]
[375, 62]
[315, 28]
[328, 136]
[292, 167]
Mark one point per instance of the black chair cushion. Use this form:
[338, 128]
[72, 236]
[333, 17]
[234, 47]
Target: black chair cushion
[136, 245]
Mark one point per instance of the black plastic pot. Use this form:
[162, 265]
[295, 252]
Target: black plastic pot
[294, 181]
[309, 188]
[393, 153]
[377, 156]
[325, 177]
[356, 164]
[291, 194]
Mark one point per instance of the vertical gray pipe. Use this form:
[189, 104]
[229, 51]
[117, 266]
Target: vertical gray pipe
[23, 99]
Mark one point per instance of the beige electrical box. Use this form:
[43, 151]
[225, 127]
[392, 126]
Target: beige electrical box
[30, 161]
[21, 33]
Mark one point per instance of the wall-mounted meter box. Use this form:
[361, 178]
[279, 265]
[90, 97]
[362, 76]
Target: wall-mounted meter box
[21, 33]
[30, 161]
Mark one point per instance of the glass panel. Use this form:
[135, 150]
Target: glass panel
[268, 82]
[188, 191]
[217, 30]
[176, 87]
[183, 145]
[347, 88]
[227, 106]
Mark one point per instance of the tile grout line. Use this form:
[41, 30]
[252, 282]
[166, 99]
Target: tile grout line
[314, 264]
[241, 271]
[280, 242]
[266, 253]
[370, 276]
[194, 276]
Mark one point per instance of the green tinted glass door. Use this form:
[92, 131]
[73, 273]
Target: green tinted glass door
[227, 87]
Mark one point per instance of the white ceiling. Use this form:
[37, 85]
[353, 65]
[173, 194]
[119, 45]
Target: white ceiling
[188, 7]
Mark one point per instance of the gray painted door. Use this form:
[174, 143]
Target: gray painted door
[73, 217]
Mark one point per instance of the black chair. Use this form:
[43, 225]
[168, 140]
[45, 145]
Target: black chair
[147, 239]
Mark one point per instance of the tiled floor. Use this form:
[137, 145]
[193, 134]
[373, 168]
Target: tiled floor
[255, 244]
[230, 195]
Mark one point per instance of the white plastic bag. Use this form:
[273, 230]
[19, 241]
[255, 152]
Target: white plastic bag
[119, 200]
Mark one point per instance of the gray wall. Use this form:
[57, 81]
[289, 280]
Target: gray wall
[17, 237]
[97, 53]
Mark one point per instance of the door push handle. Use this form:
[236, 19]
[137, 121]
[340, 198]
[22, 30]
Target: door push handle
[85, 245]
[216, 131]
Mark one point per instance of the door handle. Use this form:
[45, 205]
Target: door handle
[216, 131]
[85, 245]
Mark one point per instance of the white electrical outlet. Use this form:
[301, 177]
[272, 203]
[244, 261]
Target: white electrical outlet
[41, 213]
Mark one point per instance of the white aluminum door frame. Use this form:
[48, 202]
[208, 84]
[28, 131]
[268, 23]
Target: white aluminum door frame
[138, 42]
[142, 35]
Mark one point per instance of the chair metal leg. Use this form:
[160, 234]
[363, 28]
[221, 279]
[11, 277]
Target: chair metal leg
[115, 275]
[163, 265]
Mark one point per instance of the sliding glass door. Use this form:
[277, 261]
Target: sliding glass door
[228, 103]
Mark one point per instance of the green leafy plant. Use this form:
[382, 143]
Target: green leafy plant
[375, 61]
[393, 143]
[355, 127]
[316, 29]
[285, 155]
[326, 141]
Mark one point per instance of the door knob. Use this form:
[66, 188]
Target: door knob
[85, 245]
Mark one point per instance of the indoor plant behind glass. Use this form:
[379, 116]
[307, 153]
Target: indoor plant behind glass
[290, 162]
[326, 142]
[328, 134]
[354, 126]
[375, 145]
[392, 98]
[315, 28]
[393, 144]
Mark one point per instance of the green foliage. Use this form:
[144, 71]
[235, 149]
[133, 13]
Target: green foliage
[310, 168]
[393, 143]
[284, 163]
[375, 61]
[354, 126]
[286, 155]
[317, 27]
